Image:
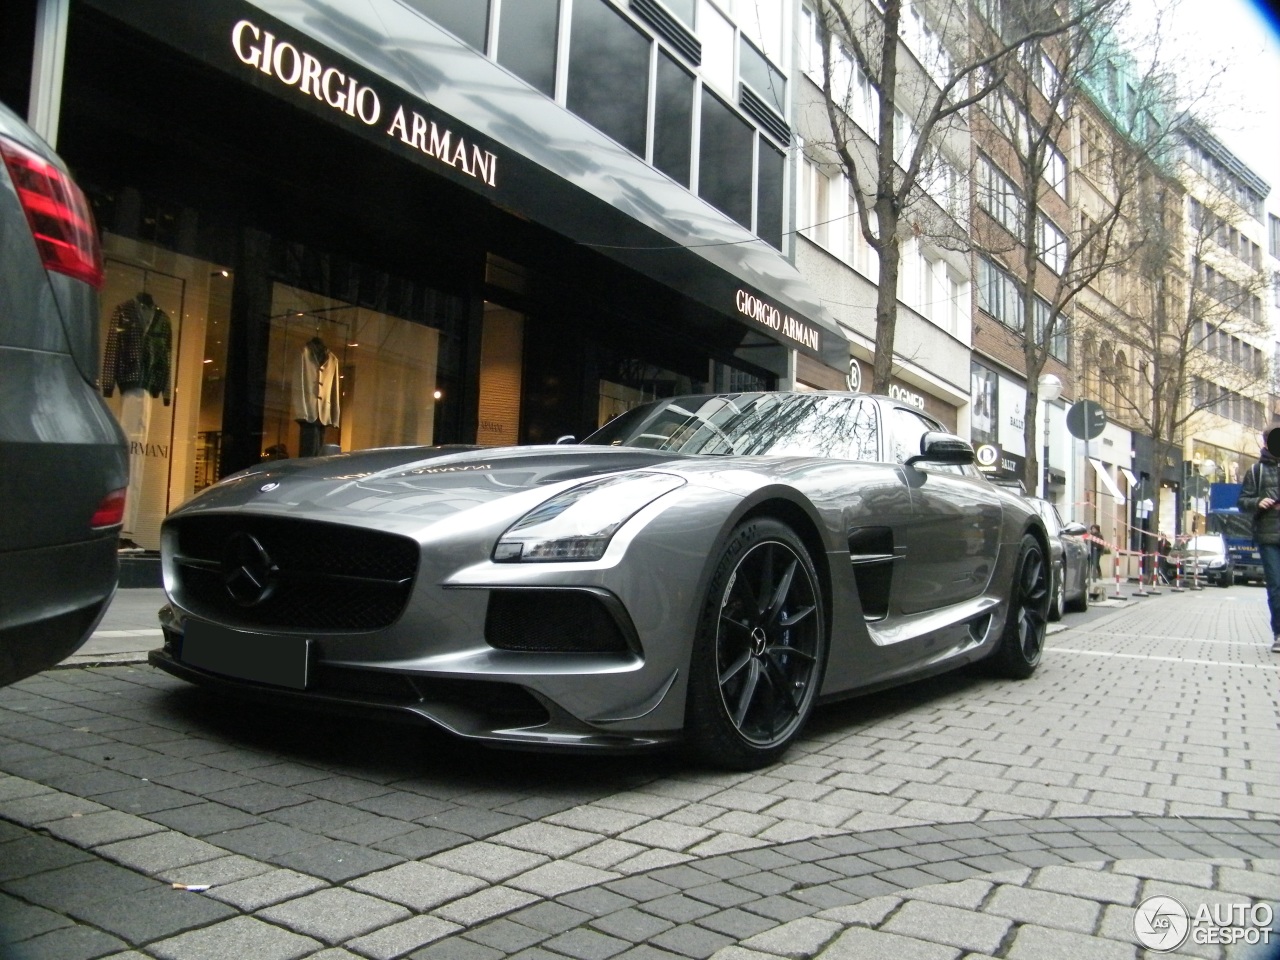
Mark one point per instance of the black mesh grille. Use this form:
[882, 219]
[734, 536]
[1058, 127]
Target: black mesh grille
[552, 621]
[324, 576]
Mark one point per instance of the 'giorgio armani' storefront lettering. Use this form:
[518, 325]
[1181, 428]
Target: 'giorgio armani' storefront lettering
[767, 315]
[280, 59]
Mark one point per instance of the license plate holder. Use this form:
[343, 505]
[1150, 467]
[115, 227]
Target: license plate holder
[281, 661]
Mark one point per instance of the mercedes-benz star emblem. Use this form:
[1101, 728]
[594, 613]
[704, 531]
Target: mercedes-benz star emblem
[248, 572]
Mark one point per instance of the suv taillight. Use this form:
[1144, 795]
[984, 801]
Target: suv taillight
[110, 512]
[60, 218]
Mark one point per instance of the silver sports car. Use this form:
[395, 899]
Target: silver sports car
[703, 570]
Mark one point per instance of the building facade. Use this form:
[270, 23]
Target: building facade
[335, 227]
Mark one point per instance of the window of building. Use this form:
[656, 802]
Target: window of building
[717, 36]
[673, 121]
[609, 73]
[725, 159]
[998, 196]
[1055, 170]
[770, 181]
[469, 22]
[1056, 337]
[1053, 246]
[999, 294]
[815, 191]
[762, 76]
[527, 41]
[1273, 234]
[762, 21]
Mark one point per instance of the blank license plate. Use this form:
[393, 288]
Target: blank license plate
[277, 660]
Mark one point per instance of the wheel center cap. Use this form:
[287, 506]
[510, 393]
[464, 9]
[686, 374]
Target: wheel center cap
[758, 640]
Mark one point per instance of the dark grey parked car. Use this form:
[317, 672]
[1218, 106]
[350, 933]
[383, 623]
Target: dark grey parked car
[702, 570]
[1069, 552]
[63, 464]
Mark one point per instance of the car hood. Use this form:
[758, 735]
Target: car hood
[416, 484]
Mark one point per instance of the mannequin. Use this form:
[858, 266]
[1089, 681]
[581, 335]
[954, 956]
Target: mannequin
[137, 360]
[316, 402]
[139, 344]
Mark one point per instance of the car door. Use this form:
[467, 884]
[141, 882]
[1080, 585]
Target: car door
[952, 537]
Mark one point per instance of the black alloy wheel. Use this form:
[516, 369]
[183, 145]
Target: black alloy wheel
[758, 659]
[1022, 643]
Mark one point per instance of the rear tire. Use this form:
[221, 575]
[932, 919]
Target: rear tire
[1058, 605]
[759, 655]
[1022, 644]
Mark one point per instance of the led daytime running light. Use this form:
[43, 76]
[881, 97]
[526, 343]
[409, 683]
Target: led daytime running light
[579, 523]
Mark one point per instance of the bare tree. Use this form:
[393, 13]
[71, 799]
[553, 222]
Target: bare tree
[1185, 351]
[1077, 82]
[916, 102]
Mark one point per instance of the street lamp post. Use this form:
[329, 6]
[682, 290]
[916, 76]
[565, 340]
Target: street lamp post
[1050, 389]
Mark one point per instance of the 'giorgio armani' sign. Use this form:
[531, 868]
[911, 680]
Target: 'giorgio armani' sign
[767, 315]
[346, 94]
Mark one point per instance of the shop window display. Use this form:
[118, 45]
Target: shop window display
[164, 317]
[343, 377]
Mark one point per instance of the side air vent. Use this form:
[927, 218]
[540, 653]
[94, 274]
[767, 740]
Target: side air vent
[765, 115]
[871, 554]
[671, 29]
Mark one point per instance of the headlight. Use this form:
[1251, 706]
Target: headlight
[579, 523]
[1217, 563]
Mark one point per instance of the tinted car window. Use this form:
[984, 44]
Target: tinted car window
[751, 424]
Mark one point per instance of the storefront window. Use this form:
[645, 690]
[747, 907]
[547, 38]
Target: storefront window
[501, 367]
[345, 377]
[165, 318]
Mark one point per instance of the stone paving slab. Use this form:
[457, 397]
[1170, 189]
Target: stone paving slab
[959, 816]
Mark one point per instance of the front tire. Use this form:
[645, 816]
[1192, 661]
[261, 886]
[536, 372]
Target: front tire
[758, 658]
[1022, 643]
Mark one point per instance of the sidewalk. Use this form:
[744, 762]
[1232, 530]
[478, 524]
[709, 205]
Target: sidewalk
[129, 628]
[962, 818]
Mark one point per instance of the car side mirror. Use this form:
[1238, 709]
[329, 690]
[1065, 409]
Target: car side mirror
[944, 448]
[1074, 529]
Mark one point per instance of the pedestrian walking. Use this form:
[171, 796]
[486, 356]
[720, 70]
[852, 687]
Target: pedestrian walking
[1097, 550]
[1260, 499]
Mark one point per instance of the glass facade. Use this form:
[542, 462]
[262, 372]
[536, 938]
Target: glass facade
[614, 60]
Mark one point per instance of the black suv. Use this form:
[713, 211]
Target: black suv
[63, 461]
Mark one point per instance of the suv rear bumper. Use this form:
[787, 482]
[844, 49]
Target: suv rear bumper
[51, 599]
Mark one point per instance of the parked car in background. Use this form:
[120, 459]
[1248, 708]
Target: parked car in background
[701, 571]
[63, 462]
[1069, 554]
[1205, 557]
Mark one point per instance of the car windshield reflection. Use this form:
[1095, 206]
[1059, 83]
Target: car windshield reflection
[750, 425]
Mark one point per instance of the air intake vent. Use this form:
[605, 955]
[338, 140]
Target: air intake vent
[764, 115]
[671, 29]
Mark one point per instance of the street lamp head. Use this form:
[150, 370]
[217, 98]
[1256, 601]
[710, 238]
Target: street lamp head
[1050, 387]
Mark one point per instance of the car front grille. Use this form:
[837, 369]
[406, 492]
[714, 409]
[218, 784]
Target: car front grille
[250, 572]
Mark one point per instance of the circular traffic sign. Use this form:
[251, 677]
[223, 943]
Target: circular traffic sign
[1086, 419]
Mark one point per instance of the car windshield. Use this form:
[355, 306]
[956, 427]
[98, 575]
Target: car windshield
[1202, 547]
[756, 424]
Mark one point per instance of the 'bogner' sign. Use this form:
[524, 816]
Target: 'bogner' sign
[346, 94]
[767, 315]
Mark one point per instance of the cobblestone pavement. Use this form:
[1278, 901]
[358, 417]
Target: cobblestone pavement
[957, 817]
